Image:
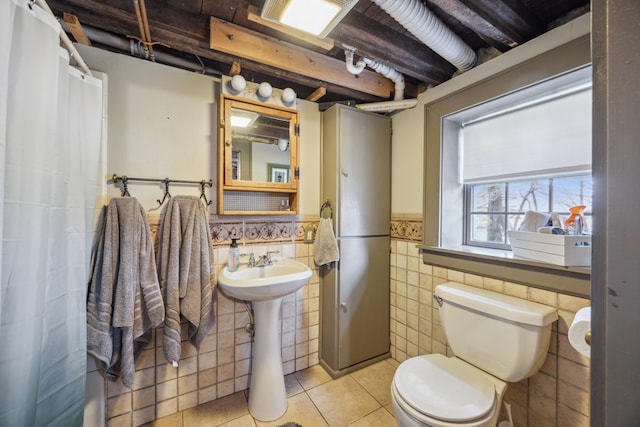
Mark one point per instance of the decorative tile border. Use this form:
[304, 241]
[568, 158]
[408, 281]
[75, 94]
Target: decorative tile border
[406, 227]
[264, 230]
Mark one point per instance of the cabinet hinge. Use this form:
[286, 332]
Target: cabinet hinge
[297, 129]
[296, 172]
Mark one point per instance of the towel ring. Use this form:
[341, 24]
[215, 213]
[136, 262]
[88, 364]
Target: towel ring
[325, 205]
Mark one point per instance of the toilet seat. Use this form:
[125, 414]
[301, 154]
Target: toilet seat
[447, 389]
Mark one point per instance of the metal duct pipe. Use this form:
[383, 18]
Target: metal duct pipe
[426, 27]
[135, 49]
[390, 73]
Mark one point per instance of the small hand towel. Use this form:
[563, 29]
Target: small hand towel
[325, 247]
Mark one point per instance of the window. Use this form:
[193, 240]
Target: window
[491, 209]
[444, 183]
[532, 155]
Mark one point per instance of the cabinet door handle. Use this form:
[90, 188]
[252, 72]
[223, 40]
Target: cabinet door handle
[344, 172]
[343, 306]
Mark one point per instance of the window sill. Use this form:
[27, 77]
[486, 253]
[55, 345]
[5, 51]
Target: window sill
[501, 264]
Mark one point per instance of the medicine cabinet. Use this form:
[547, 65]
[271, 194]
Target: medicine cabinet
[258, 168]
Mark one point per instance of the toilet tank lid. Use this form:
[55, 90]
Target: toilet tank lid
[497, 304]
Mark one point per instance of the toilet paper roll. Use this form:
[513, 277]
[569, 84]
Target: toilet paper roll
[579, 327]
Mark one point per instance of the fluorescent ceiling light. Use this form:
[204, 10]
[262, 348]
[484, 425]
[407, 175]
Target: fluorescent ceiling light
[317, 17]
[311, 16]
[242, 119]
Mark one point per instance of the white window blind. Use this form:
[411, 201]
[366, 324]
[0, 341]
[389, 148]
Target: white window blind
[547, 138]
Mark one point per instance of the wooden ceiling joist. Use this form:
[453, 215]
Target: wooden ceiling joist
[317, 94]
[239, 41]
[73, 24]
[235, 69]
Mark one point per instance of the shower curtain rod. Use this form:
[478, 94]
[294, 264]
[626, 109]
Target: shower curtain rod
[68, 44]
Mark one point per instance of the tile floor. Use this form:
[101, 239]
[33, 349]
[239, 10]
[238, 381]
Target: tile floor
[360, 399]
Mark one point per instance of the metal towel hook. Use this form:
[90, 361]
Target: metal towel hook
[166, 192]
[203, 185]
[124, 191]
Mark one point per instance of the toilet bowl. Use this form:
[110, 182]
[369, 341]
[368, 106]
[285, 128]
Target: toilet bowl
[439, 391]
[496, 339]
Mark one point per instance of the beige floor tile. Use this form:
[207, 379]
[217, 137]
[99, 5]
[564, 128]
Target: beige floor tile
[376, 379]
[389, 408]
[392, 362]
[379, 418]
[244, 421]
[217, 412]
[312, 377]
[300, 410]
[342, 401]
[292, 385]
[174, 420]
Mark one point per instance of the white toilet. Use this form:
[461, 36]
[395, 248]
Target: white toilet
[495, 338]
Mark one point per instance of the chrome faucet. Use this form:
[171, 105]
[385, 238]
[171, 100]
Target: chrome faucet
[252, 259]
[262, 259]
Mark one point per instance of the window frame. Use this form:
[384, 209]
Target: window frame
[573, 53]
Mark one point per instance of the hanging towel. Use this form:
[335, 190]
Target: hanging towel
[185, 261]
[325, 247]
[124, 302]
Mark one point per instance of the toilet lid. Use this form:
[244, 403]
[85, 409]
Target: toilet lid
[445, 388]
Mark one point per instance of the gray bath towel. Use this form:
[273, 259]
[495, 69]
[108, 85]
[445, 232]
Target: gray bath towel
[124, 302]
[185, 263]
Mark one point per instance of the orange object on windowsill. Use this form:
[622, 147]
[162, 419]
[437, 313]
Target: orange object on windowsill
[576, 211]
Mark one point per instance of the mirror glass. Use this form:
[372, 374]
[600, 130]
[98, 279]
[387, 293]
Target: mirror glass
[260, 147]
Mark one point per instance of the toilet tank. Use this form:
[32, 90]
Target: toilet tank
[500, 334]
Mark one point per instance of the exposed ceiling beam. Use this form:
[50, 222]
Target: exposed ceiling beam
[509, 17]
[484, 28]
[240, 41]
[187, 33]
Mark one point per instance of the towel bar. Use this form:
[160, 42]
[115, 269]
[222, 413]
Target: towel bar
[325, 205]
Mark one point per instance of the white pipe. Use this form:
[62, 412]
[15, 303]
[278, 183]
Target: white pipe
[388, 106]
[391, 73]
[353, 69]
[68, 44]
[426, 27]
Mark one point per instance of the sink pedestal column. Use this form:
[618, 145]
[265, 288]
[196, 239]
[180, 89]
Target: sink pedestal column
[267, 394]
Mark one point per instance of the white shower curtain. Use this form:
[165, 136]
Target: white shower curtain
[50, 141]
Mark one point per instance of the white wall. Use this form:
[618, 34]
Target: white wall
[163, 123]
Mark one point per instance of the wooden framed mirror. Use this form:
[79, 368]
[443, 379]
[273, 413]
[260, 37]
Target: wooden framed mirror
[257, 156]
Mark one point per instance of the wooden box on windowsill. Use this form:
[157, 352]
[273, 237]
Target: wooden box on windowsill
[568, 251]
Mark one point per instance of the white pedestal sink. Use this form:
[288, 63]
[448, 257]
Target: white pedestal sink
[265, 287]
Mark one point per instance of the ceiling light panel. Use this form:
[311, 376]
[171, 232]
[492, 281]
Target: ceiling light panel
[317, 17]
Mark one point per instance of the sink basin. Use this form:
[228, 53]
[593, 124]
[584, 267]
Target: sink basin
[277, 280]
[265, 287]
